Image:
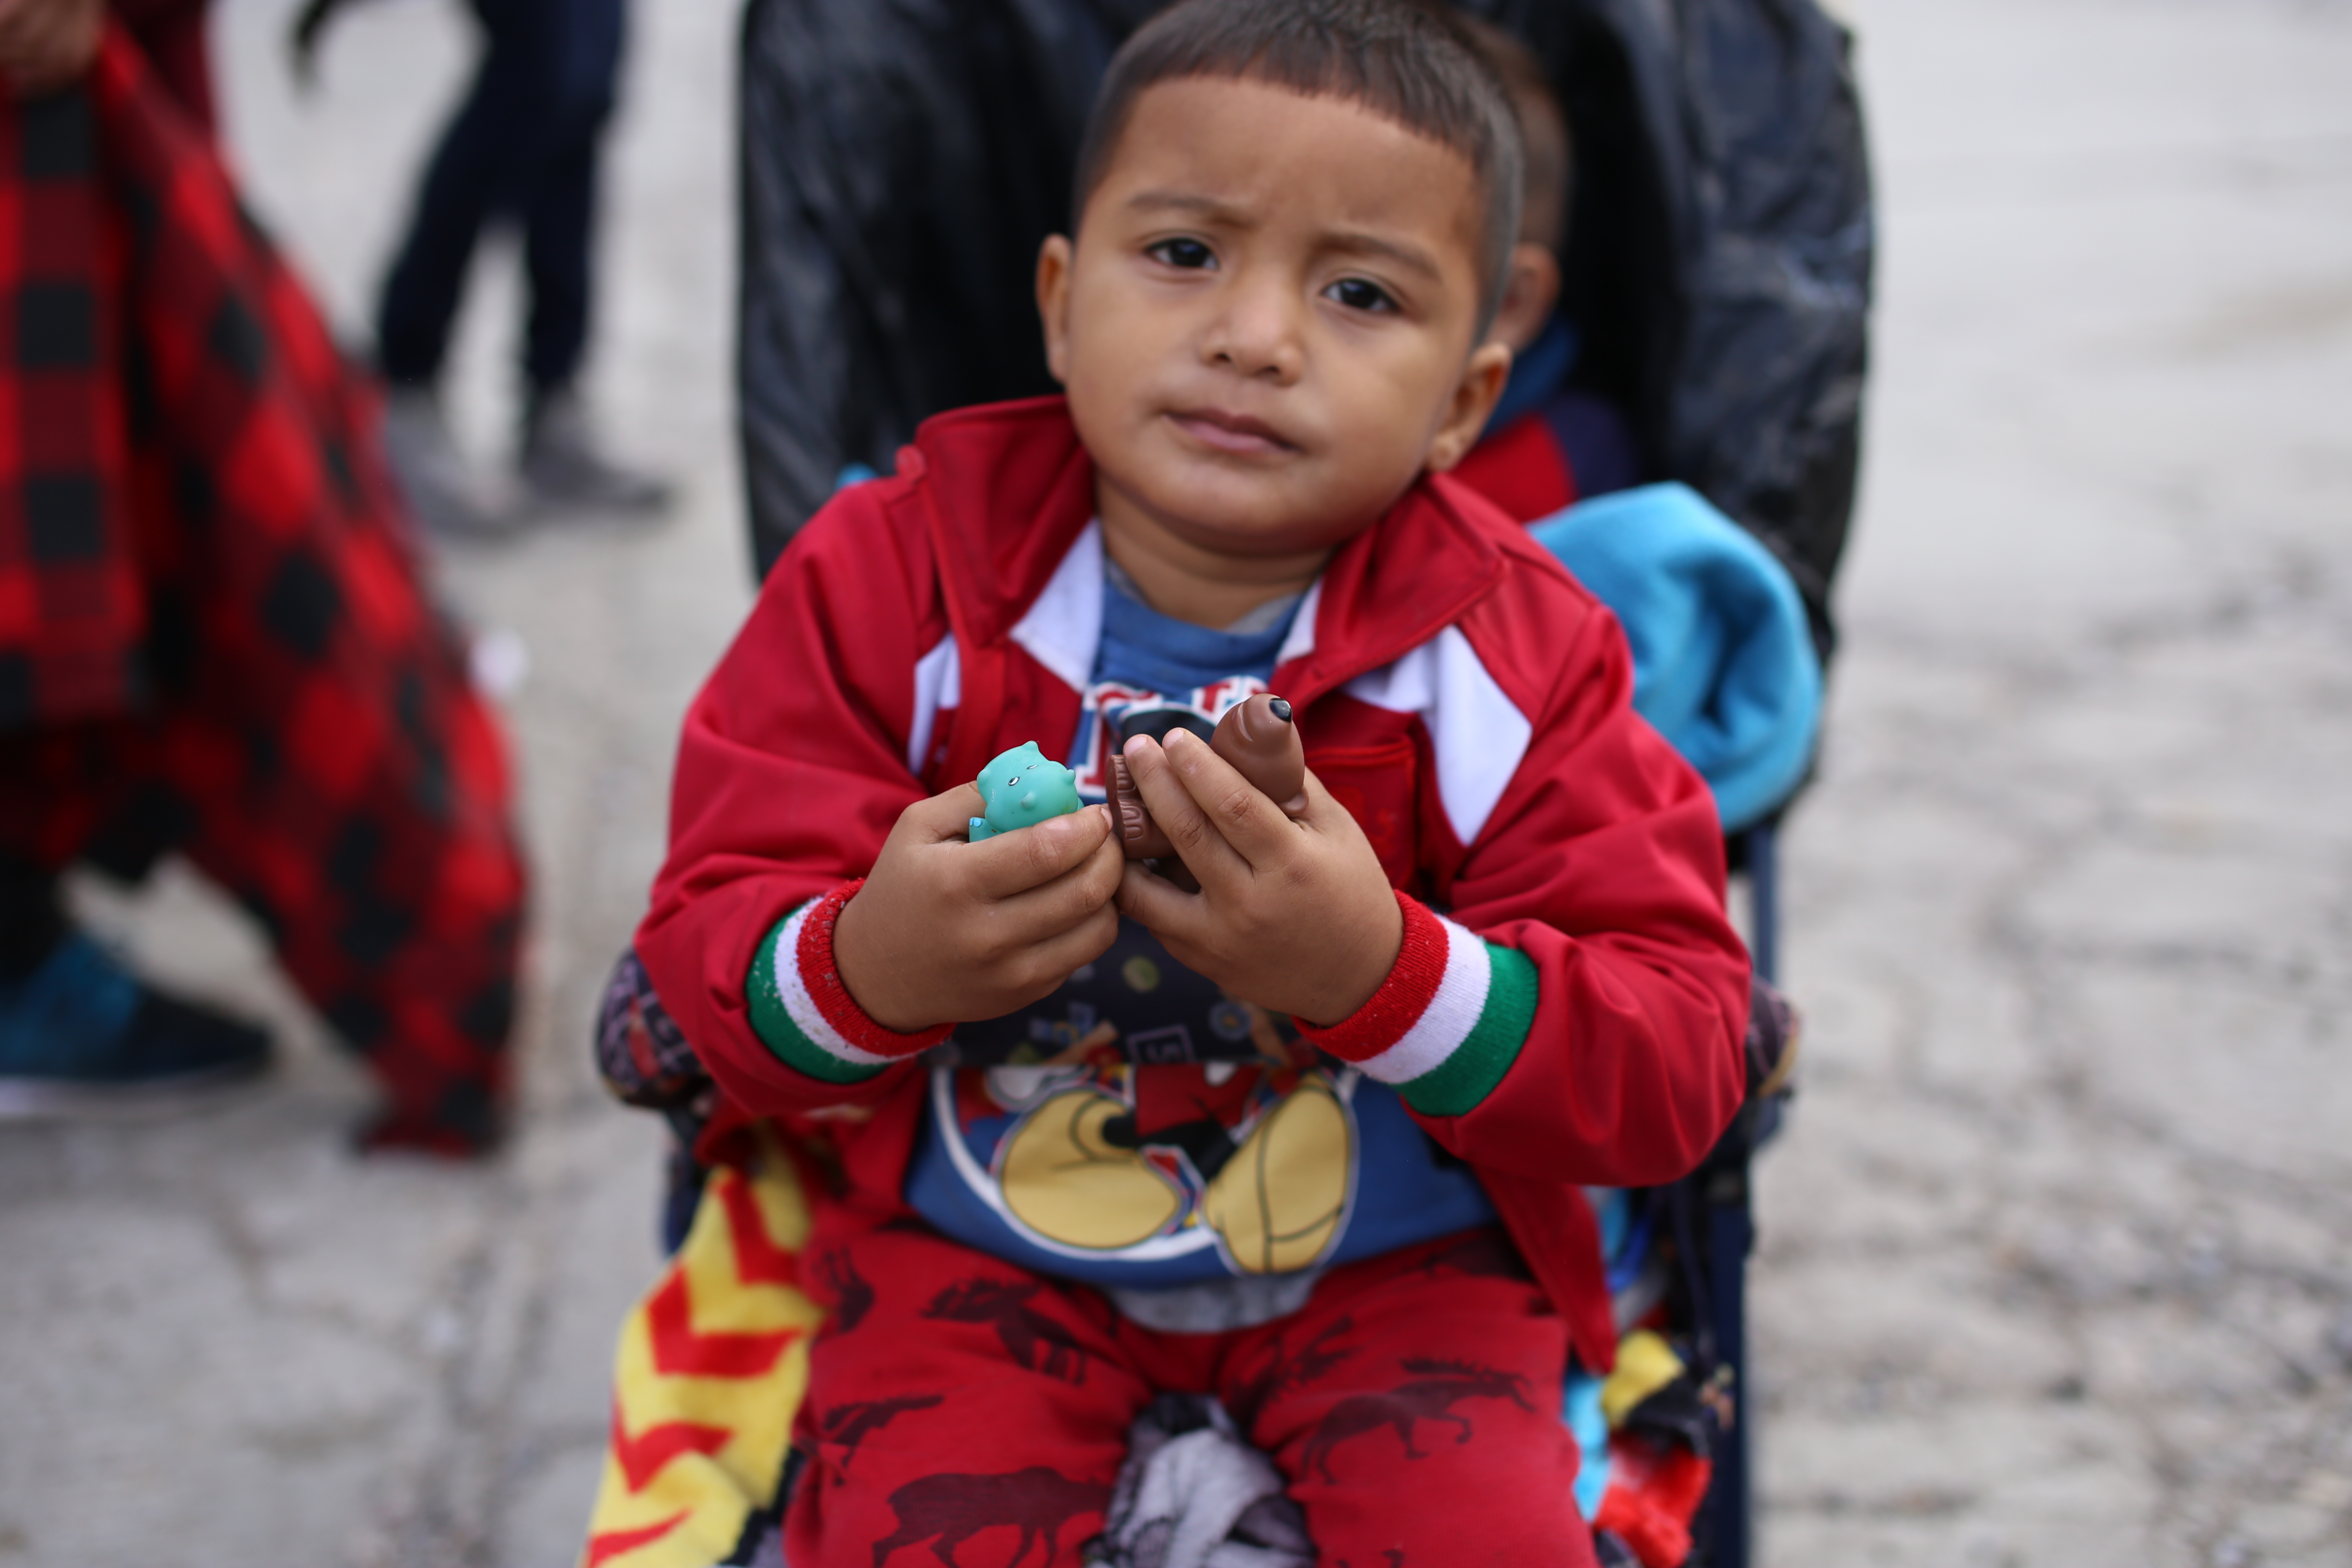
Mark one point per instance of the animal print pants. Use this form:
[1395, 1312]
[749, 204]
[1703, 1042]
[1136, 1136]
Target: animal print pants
[964, 1410]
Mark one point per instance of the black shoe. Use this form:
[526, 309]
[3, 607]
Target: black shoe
[81, 1035]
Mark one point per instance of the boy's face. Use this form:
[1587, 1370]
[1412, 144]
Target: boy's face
[1265, 325]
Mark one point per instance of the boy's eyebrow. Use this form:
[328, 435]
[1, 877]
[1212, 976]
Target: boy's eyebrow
[1357, 243]
[1349, 241]
[1185, 201]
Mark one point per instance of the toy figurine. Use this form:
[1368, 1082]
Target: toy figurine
[1257, 738]
[1021, 787]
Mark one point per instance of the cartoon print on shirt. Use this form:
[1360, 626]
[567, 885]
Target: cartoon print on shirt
[1108, 1158]
[1065, 1179]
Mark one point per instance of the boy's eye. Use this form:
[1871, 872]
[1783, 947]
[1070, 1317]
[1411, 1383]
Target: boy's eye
[1358, 294]
[1185, 253]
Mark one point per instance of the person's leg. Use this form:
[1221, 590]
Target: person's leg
[557, 205]
[952, 1397]
[476, 171]
[561, 459]
[1414, 1408]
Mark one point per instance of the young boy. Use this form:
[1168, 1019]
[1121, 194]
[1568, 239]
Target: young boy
[1364, 1233]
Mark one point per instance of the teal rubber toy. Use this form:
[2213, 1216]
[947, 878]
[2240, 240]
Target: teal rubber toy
[1021, 787]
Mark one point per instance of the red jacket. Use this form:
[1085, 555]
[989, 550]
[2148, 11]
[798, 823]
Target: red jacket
[1459, 693]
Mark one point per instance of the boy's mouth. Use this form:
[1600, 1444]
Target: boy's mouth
[1235, 432]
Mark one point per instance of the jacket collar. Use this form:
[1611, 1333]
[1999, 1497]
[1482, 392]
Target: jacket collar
[1009, 497]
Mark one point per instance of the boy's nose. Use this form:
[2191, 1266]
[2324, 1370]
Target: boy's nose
[1257, 333]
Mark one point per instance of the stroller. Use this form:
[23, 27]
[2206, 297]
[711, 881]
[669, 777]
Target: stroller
[901, 163]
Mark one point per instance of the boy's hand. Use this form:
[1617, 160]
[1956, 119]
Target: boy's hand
[1295, 915]
[946, 933]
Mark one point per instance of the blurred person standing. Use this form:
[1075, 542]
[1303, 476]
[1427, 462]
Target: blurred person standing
[214, 639]
[523, 147]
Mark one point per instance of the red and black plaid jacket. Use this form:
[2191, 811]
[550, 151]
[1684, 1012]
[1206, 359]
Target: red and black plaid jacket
[214, 639]
[72, 613]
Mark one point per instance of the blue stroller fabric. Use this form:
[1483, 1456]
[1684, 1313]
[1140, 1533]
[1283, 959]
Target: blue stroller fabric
[1724, 665]
[1580, 1408]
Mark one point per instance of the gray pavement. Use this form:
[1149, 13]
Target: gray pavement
[2057, 1258]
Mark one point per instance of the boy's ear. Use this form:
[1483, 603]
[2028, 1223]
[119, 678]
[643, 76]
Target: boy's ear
[1480, 389]
[1053, 303]
[1529, 292]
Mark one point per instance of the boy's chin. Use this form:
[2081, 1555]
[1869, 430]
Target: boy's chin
[1265, 534]
[1247, 525]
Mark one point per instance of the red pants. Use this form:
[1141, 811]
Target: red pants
[966, 1411]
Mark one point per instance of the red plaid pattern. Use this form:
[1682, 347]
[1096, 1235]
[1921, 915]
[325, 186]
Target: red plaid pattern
[71, 613]
[300, 724]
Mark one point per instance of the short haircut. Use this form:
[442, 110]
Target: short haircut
[1550, 148]
[1408, 61]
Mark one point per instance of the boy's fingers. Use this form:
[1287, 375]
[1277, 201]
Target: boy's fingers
[1070, 899]
[1172, 807]
[1029, 858]
[1252, 826]
[1082, 944]
[944, 816]
[1039, 936]
[1169, 913]
[1103, 870]
[1175, 802]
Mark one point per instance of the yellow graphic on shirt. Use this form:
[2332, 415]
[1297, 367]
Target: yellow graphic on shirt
[1064, 1181]
[1077, 1170]
[1278, 1201]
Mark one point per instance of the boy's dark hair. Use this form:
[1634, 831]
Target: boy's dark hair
[1545, 139]
[1408, 61]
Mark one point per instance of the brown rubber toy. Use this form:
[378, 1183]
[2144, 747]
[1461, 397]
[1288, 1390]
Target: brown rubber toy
[1260, 741]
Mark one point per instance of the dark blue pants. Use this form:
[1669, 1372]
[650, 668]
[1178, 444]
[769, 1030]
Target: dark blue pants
[522, 148]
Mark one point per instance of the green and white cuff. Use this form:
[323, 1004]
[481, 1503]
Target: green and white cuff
[1447, 1023]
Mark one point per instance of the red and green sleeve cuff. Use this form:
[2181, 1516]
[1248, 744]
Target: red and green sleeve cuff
[802, 1013]
[1447, 1023]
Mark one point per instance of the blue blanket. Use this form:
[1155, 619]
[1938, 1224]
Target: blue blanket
[1723, 665]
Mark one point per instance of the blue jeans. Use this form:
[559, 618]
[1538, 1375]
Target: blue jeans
[523, 147]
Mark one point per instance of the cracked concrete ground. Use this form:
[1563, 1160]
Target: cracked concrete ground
[2057, 1257]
